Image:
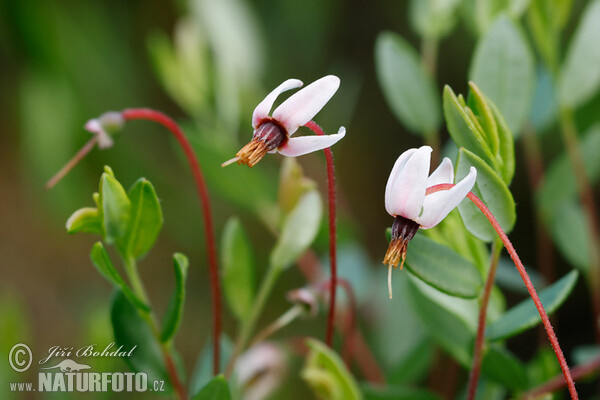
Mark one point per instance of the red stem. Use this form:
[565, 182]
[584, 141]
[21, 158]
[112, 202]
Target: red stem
[559, 381]
[479, 340]
[172, 371]
[167, 122]
[332, 232]
[532, 292]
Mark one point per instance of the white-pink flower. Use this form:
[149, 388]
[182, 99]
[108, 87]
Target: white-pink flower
[273, 133]
[108, 122]
[405, 199]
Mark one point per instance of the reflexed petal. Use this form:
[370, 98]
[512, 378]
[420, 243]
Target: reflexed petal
[307, 144]
[405, 190]
[442, 174]
[302, 106]
[262, 109]
[439, 204]
[95, 127]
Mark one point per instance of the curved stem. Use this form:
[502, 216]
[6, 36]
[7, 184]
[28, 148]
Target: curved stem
[532, 292]
[480, 338]
[152, 115]
[332, 233]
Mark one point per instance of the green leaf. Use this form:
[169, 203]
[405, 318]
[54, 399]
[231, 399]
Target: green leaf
[433, 18]
[546, 19]
[525, 315]
[409, 91]
[327, 375]
[442, 268]
[146, 219]
[570, 231]
[133, 332]
[478, 104]
[298, 232]
[464, 128]
[203, 371]
[506, 149]
[104, 265]
[85, 220]
[216, 389]
[580, 76]
[238, 269]
[396, 393]
[114, 210]
[490, 188]
[450, 321]
[503, 367]
[503, 67]
[172, 319]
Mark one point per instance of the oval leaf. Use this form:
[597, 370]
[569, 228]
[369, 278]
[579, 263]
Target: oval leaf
[203, 372]
[409, 91]
[85, 220]
[299, 231]
[442, 268]
[175, 311]
[503, 68]
[490, 188]
[146, 219]
[114, 208]
[580, 76]
[503, 367]
[131, 331]
[238, 269]
[525, 315]
[216, 389]
[327, 375]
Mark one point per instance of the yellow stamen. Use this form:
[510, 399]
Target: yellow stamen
[396, 253]
[252, 153]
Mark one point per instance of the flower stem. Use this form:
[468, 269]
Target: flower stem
[532, 292]
[72, 162]
[559, 381]
[248, 324]
[152, 115]
[284, 320]
[586, 195]
[139, 289]
[480, 338]
[332, 232]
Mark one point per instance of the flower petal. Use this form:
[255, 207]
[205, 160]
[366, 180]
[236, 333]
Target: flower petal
[405, 190]
[95, 127]
[302, 106]
[444, 173]
[262, 109]
[298, 146]
[439, 204]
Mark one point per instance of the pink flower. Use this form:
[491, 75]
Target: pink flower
[405, 199]
[102, 127]
[273, 133]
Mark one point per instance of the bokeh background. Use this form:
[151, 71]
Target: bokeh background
[207, 63]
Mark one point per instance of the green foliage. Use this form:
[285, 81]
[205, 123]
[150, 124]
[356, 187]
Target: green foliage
[131, 331]
[84, 220]
[580, 75]
[238, 269]
[327, 375]
[433, 18]
[114, 210]
[525, 316]
[203, 372]
[503, 67]
[503, 367]
[172, 319]
[546, 19]
[396, 393]
[216, 389]
[298, 231]
[409, 91]
[443, 268]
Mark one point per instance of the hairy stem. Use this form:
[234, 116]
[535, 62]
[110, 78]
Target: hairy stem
[139, 289]
[332, 233]
[480, 338]
[586, 195]
[167, 122]
[532, 292]
[558, 382]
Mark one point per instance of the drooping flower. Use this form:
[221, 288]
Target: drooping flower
[406, 201]
[273, 133]
[103, 125]
[260, 370]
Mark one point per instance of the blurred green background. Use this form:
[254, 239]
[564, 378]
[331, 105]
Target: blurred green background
[206, 63]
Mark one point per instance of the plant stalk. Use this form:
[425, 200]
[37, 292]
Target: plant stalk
[530, 288]
[167, 122]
